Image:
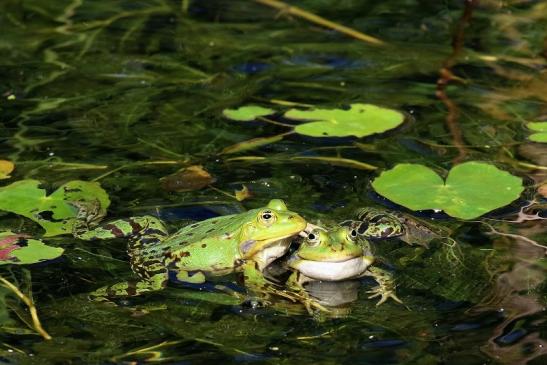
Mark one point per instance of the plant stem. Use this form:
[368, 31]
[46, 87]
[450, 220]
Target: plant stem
[32, 309]
[316, 19]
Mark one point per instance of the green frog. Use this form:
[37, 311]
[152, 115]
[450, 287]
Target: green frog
[335, 255]
[377, 224]
[245, 242]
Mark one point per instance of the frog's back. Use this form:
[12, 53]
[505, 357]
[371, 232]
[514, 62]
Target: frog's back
[222, 227]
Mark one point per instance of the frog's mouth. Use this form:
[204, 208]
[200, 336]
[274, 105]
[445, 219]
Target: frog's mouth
[264, 252]
[331, 270]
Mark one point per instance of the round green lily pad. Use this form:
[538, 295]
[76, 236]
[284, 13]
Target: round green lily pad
[359, 120]
[471, 189]
[247, 113]
[540, 127]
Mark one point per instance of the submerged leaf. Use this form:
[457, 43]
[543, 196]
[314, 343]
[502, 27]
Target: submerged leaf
[187, 179]
[247, 113]
[6, 167]
[251, 144]
[471, 189]
[337, 161]
[359, 120]
[53, 212]
[19, 249]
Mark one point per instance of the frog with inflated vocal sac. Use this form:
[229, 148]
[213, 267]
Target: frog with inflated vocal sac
[245, 242]
[335, 255]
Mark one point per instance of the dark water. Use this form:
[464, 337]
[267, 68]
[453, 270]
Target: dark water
[127, 92]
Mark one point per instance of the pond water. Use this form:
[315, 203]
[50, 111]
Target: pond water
[125, 93]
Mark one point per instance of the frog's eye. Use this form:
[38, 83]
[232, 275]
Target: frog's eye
[352, 234]
[267, 217]
[313, 239]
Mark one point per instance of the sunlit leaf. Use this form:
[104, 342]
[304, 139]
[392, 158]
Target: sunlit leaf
[243, 194]
[471, 189]
[540, 127]
[20, 249]
[359, 120]
[247, 113]
[6, 167]
[53, 212]
[187, 179]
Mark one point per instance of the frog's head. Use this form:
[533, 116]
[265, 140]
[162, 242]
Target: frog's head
[331, 256]
[334, 246]
[269, 229]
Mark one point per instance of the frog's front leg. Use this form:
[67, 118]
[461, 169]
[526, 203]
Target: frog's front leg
[296, 284]
[386, 285]
[256, 282]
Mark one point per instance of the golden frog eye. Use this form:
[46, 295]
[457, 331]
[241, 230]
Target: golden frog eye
[313, 239]
[352, 234]
[267, 217]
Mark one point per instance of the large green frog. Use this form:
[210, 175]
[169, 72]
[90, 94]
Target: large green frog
[245, 242]
[335, 255]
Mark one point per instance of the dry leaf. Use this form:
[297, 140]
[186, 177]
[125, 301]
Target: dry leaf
[187, 179]
[243, 194]
[6, 167]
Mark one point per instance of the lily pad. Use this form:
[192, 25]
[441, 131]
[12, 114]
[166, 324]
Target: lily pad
[247, 113]
[471, 189]
[53, 212]
[540, 127]
[359, 120]
[20, 249]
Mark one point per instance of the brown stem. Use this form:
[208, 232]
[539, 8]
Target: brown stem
[32, 309]
[316, 19]
[446, 76]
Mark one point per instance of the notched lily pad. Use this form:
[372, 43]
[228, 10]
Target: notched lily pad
[20, 249]
[471, 189]
[247, 113]
[359, 120]
[541, 128]
[53, 212]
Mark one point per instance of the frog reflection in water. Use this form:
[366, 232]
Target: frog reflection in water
[337, 255]
[245, 242]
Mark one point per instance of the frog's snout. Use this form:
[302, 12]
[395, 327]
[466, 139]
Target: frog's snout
[298, 220]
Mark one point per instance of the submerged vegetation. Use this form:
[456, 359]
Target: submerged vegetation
[433, 113]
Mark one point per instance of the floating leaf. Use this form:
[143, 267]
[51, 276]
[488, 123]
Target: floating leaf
[471, 189]
[251, 144]
[540, 127]
[187, 179]
[6, 167]
[20, 249]
[359, 120]
[53, 212]
[247, 113]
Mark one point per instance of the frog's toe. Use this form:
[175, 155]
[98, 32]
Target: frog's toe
[384, 295]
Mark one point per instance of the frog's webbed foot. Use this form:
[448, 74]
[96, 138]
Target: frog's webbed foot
[386, 286]
[384, 293]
